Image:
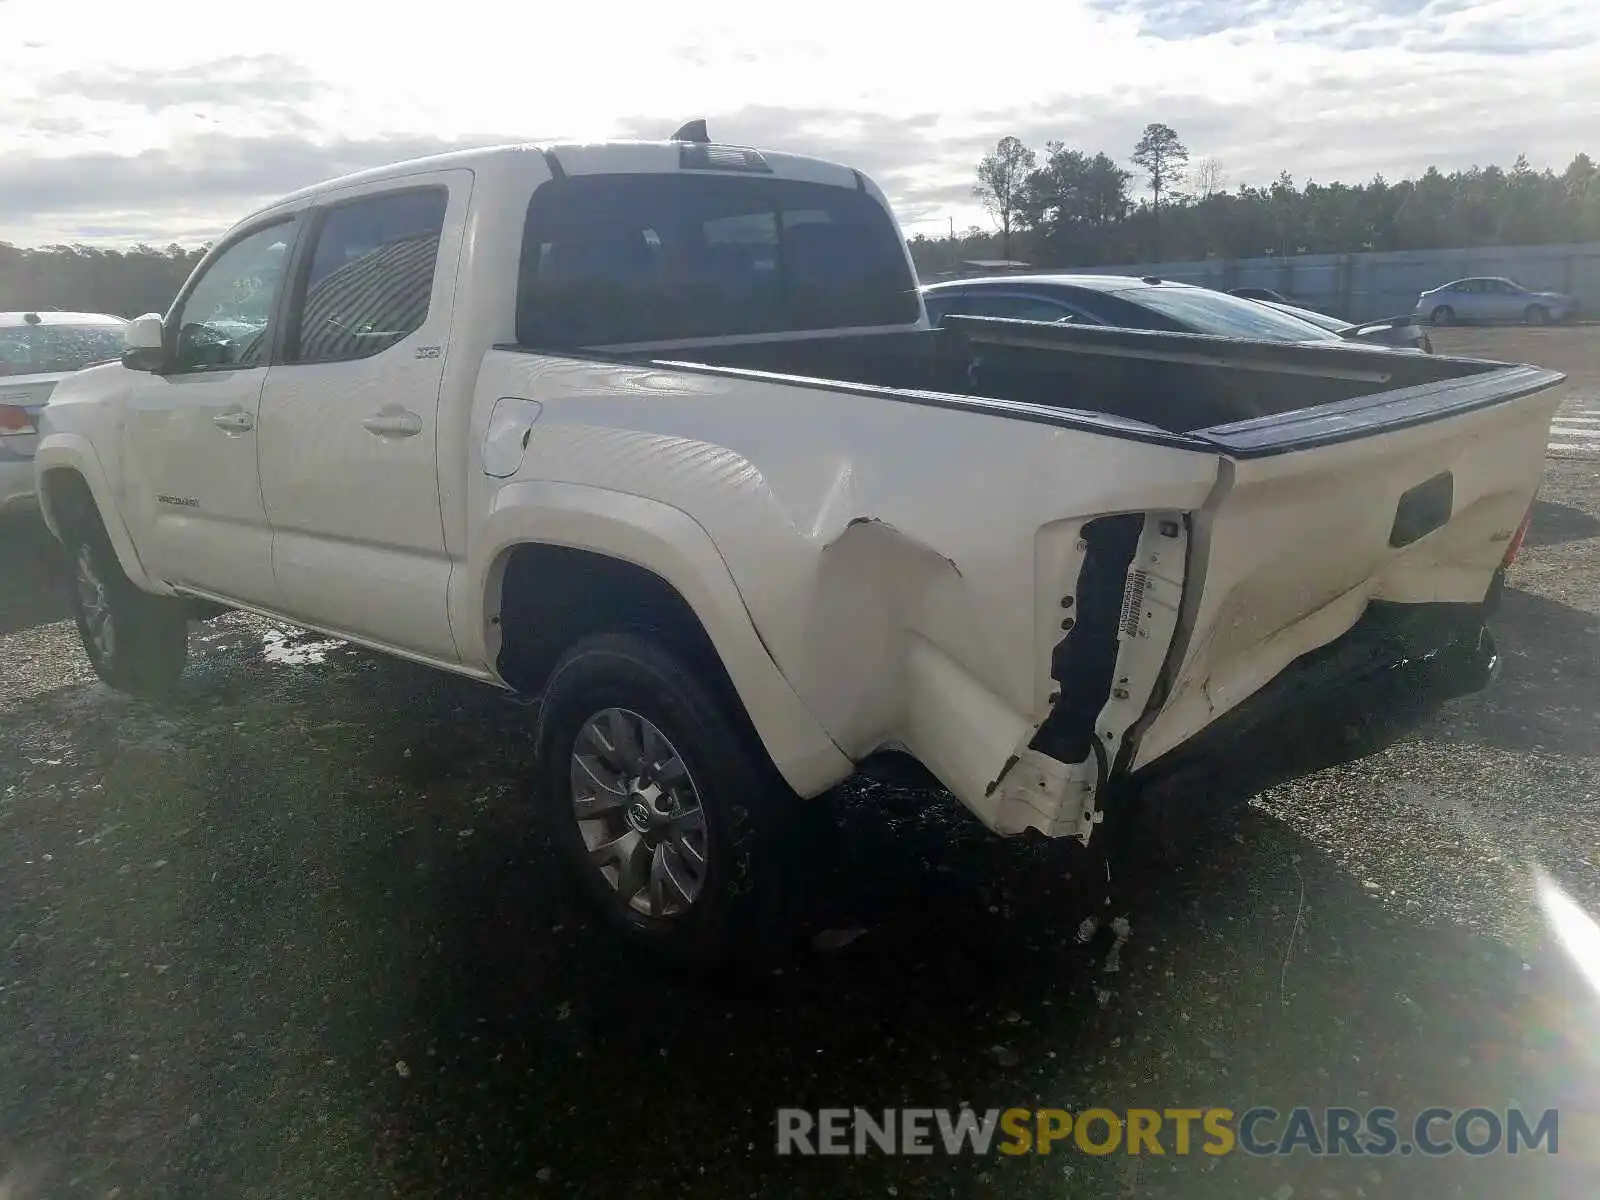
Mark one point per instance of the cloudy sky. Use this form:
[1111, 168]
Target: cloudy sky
[162, 121]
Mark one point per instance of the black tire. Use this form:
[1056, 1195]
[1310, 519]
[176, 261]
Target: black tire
[136, 642]
[741, 906]
[1443, 315]
[1536, 314]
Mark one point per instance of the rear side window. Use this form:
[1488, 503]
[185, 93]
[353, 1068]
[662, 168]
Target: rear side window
[609, 259]
[370, 276]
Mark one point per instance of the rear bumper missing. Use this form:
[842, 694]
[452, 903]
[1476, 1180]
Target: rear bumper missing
[1342, 701]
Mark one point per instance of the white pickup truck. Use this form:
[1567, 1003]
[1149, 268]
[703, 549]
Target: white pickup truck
[660, 433]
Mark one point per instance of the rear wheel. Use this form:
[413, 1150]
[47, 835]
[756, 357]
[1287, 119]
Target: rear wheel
[1536, 314]
[1443, 315]
[663, 807]
[136, 642]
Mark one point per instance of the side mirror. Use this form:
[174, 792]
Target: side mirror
[144, 344]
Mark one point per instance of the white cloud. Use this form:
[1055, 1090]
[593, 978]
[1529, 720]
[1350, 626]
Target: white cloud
[158, 121]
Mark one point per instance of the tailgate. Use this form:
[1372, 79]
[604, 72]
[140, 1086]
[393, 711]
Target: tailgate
[1409, 496]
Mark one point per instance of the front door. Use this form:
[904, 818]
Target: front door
[190, 482]
[349, 414]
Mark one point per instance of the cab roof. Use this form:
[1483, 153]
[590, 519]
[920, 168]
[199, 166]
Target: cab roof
[598, 158]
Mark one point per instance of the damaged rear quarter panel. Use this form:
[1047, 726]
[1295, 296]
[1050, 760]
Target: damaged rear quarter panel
[903, 564]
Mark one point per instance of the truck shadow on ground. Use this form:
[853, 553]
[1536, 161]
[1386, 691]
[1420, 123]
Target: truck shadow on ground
[1549, 679]
[1555, 524]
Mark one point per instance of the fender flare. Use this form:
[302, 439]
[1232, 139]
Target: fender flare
[672, 545]
[75, 453]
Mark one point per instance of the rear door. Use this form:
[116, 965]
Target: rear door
[350, 410]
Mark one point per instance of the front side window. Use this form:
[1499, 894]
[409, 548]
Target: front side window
[370, 277]
[612, 259]
[56, 349]
[223, 321]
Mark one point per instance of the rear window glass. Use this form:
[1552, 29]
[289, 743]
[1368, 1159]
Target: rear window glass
[1203, 311]
[609, 259]
[52, 349]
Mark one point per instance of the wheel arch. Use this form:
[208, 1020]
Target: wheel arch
[563, 561]
[73, 486]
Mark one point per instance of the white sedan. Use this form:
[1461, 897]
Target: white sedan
[37, 351]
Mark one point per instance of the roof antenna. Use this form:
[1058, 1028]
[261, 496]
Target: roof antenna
[692, 131]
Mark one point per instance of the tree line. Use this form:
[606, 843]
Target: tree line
[1063, 207]
[124, 282]
[1067, 207]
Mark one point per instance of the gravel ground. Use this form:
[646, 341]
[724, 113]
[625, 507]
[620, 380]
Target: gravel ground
[289, 936]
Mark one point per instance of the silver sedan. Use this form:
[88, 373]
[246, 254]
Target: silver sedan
[1492, 298]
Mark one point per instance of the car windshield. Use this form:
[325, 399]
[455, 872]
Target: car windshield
[1205, 311]
[53, 349]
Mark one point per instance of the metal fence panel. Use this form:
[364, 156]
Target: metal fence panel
[1364, 287]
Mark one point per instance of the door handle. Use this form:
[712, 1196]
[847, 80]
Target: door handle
[391, 424]
[237, 421]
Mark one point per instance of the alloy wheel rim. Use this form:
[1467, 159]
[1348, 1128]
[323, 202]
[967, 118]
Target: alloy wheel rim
[95, 603]
[639, 812]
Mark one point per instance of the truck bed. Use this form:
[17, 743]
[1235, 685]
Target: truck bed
[1182, 384]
